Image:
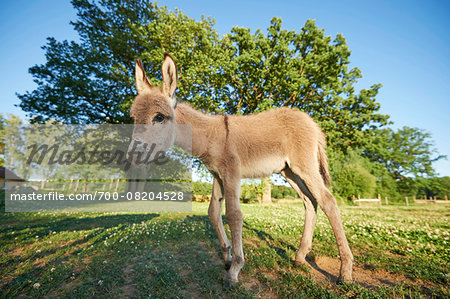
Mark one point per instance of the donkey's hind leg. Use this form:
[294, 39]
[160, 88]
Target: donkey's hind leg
[312, 184]
[215, 216]
[310, 217]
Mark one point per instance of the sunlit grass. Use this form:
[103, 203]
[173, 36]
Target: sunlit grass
[177, 254]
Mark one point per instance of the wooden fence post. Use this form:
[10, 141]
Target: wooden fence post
[446, 198]
[407, 203]
[386, 200]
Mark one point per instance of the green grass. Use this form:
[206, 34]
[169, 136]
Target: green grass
[177, 254]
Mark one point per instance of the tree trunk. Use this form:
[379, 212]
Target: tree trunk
[266, 198]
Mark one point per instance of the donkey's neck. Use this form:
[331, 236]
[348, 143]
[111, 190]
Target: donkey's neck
[203, 126]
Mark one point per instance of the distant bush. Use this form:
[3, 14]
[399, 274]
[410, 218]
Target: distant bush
[355, 179]
[434, 187]
[388, 187]
[201, 188]
[351, 175]
[280, 191]
[201, 198]
[249, 193]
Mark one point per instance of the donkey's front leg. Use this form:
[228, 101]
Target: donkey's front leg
[215, 216]
[234, 218]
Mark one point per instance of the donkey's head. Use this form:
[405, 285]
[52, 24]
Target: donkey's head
[153, 112]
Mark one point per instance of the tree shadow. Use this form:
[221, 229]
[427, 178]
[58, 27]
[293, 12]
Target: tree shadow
[70, 223]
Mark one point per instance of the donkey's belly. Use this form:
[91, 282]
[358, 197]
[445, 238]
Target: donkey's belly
[262, 167]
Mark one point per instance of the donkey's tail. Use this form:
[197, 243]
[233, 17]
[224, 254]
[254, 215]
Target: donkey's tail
[323, 161]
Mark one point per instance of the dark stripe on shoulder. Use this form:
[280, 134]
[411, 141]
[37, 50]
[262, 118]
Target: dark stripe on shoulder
[225, 120]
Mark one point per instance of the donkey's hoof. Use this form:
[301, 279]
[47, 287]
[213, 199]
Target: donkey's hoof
[344, 279]
[228, 284]
[300, 263]
[231, 280]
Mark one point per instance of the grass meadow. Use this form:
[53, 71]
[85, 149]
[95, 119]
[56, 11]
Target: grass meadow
[399, 252]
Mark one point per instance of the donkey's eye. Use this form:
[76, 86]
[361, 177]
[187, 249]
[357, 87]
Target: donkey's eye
[159, 118]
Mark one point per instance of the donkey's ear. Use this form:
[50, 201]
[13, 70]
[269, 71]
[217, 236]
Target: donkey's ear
[169, 76]
[142, 84]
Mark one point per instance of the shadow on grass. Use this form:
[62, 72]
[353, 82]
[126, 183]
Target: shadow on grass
[44, 223]
[18, 228]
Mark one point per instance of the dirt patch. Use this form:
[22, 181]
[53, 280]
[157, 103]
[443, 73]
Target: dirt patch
[326, 269]
[39, 262]
[256, 287]
[128, 290]
[6, 280]
[17, 252]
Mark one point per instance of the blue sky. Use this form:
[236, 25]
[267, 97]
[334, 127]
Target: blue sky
[403, 45]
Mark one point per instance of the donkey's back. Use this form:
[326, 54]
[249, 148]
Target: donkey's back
[269, 141]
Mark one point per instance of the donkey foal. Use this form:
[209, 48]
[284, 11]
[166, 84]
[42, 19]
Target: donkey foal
[282, 140]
